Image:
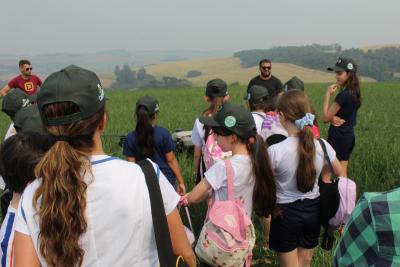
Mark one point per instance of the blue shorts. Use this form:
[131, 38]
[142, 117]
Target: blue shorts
[298, 226]
[343, 145]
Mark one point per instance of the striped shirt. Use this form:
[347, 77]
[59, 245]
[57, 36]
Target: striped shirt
[7, 238]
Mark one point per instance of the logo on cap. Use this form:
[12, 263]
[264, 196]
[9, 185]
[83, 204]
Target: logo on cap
[350, 66]
[157, 108]
[248, 96]
[230, 121]
[100, 91]
[25, 102]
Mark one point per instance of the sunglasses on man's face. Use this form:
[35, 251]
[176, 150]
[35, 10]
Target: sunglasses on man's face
[27, 69]
[267, 68]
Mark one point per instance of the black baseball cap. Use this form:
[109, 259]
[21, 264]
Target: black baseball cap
[256, 94]
[216, 88]
[149, 102]
[28, 119]
[294, 83]
[232, 118]
[14, 101]
[72, 84]
[344, 64]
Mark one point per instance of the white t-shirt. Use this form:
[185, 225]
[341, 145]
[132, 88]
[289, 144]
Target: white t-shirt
[284, 160]
[259, 119]
[271, 125]
[120, 227]
[243, 180]
[7, 238]
[198, 134]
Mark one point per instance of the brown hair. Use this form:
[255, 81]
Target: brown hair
[294, 104]
[353, 86]
[62, 193]
[23, 62]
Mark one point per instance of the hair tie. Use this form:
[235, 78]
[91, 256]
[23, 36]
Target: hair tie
[62, 138]
[307, 120]
[251, 140]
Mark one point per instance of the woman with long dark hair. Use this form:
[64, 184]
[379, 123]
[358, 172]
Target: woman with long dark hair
[343, 112]
[153, 142]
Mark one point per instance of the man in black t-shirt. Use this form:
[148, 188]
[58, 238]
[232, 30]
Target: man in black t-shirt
[266, 79]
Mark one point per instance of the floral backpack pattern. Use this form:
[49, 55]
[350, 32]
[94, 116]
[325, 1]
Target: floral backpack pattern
[228, 236]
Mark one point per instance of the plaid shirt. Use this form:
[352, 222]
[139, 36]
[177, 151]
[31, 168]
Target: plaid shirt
[372, 234]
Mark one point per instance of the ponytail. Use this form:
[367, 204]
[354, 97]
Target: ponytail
[145, 133]
[296, 107]
[353, 85]
[60, 200]
[264, 194]
[306, 172]
[63, 204]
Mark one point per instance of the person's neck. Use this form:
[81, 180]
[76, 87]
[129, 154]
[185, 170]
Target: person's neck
[258, 111]
[240, 149]
[98, 146]
[15, 200]
[25, 77]
[292, 129]
[265, 78]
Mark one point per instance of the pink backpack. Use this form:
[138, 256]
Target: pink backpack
[228, 236]
[348, 194]
[213, 152]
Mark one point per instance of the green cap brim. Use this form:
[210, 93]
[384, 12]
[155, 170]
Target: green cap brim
[336, 68]
[209, 121]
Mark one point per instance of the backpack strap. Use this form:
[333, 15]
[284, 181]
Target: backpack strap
[160, 224]
[322, 143]
[260, 115]
[230, 178]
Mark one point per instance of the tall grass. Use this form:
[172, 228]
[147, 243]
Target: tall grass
[374, 164]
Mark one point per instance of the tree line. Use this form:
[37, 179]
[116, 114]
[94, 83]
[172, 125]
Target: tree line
[381, 64]
[126, 78]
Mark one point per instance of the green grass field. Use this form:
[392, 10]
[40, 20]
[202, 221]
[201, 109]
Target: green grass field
[374, 163]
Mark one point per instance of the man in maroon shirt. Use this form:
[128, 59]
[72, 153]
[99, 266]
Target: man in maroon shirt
[26, 82]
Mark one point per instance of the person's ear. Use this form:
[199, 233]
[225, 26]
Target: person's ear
[207, 99]
[103, 122]
[226, 98]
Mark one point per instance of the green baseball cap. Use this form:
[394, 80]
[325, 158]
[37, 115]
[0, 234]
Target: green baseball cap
[256, 94]
[28, 119]
[216, 88]
[344, 64]
[293, 83]
[233, 118]
[149, 102]
[72, 84]
[14, 101]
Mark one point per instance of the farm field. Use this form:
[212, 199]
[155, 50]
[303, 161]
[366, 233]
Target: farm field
[374, 164]
[230, 70]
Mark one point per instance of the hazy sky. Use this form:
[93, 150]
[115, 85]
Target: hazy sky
[48, 26]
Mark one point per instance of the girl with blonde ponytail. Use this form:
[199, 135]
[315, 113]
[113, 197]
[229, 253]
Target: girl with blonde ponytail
[297, 163]
[87, 208]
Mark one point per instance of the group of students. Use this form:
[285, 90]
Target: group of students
[73, 205]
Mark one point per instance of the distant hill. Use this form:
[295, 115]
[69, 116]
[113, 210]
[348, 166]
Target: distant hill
[101, 62]
[381, 64]
[231, 71]
[376, 47]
